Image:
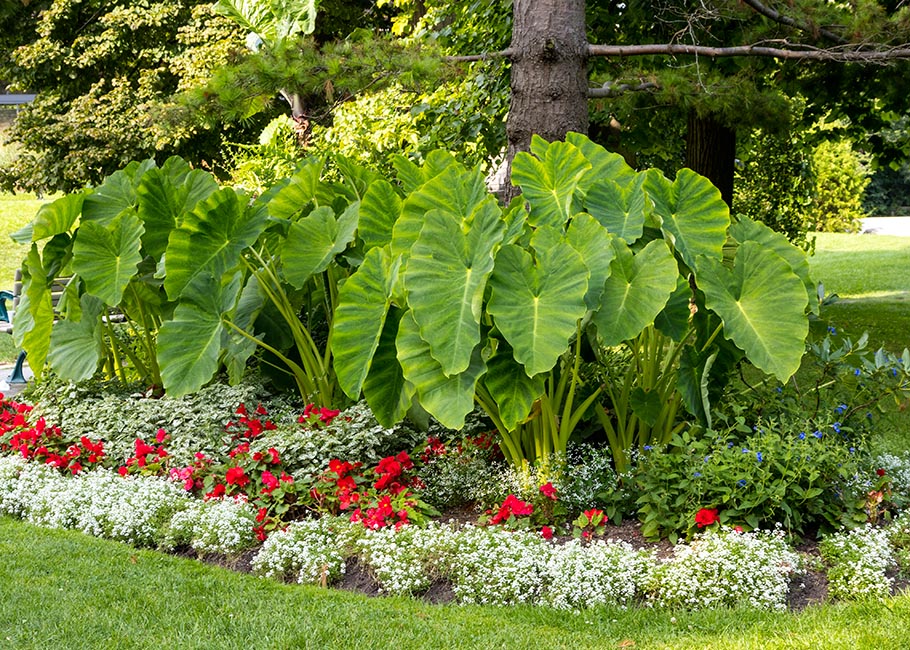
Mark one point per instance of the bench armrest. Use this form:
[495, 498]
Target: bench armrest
[4, 314]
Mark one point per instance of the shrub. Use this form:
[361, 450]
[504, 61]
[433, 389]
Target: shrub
[841, 176]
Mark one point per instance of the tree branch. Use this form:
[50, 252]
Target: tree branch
[486, 56]
[813, 54]
[611, 90]
[790, 22]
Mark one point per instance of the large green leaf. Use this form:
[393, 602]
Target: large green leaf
[189, 345]
[549, 184]
[762, 304]
[411, 177]
[300, 190]
[604, 164]
[446, 278]
[511, 388]
[386, 390]
[363, 302]
[76, 346]
[106, 257]
[673, 321]
[636, 291]
[116, 194]
[622, 209]
[158, 208]
[594, 244]
[447, 398]
[34, 317]
[748, 230]
[314, 241]
[379, 210]
[693, 214]
[454, 191]
[537, 301]
[209, 240]
[53, 218]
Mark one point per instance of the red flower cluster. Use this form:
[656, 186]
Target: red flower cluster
[248, 427]
[146, 458]
[313, 414]
[389, 472]
[433, 449]
[43, 443]
[511, 508]
[548, 490]
[706, 517]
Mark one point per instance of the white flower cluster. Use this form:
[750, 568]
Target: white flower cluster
[602, 573]
[898, 470]
[312, 551]
[858, 560]
[408, 560]
[222, 525]
[725, 569]
[139, 510]
[491, 566]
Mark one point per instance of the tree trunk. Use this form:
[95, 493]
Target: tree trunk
[711, 151]
[549, 74]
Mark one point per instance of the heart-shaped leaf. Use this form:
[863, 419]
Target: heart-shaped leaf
[314, 241]
[76, 346]
[388, 393]
[379, 210]
[594, 244]
[549, 184]
[52, 219]
[622, 209]
[511, 388]
[106, 257]
[762, 304]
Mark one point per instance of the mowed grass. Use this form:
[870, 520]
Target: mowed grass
[62, 589]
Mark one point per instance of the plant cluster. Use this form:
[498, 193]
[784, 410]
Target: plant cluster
[857, 563]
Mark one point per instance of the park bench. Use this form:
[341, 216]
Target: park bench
[17, 376]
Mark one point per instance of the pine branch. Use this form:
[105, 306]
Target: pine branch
[841, 55]
[790, 22]
[610, 89]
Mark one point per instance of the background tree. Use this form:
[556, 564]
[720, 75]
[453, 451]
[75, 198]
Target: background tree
[102, 69]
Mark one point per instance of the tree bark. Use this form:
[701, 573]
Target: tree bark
[549, 82]
[711, 151]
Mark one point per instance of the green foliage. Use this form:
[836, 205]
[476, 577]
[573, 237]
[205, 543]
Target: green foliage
[841, 178]
[801, 478]
[104, 71]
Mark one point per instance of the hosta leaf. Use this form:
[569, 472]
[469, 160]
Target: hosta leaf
[386, 390]
[511, 388]
[106, 257]
[447, 398]
[210, 240]
[748, 230]
[52, 219]
[76, 346]
[453, 191]
[635, 292]
[594, 244]
[379, 210]
[314, 241]
[446, 278]
[536, 302]
[693, 214]
[762, 304]
[549, 184]
[363, 303]
[621, 209]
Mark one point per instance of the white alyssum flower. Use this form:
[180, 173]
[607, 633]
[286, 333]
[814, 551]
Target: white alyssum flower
[312, 551]
[858, 560]
[222, 525]
[602, 573]
[491, 566]
[724, 569]
[408, 560]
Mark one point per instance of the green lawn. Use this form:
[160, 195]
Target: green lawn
[73, 591]
[16, 210]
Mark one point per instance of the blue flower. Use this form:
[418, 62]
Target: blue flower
[840, 408]
[779, 389]
[894, 372]
[831, 330]
[741, 482]
[707, 458]
[729, 445]
[758, 456]
[852, 449]
[802, 435]
[857, 372]
[745, 451]
[836, 427]
[648, 447]
[818, 434]
[697, 474]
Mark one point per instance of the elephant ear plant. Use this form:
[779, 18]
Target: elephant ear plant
[460, 300]
[201, 274]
